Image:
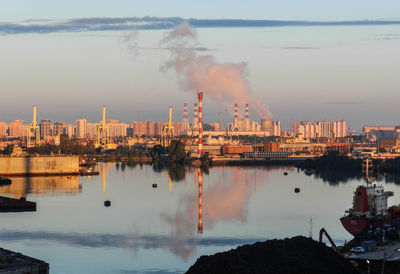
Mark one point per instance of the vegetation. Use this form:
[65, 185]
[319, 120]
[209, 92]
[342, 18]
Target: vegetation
[8, 150]
[176, 152]
[333, 160]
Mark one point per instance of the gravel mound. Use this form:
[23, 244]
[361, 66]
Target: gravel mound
[295, 255]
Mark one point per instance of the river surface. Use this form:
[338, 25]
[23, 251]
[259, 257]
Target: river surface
[165, 229]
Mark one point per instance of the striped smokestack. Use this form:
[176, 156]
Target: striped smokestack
[195, 119]
[200, 148]
[235, 118]
[185, 118]
[246, 118]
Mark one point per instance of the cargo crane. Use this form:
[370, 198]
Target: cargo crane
[103, 134]
[33, 128]
[167, 131]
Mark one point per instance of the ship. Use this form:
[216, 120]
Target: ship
[370, 210]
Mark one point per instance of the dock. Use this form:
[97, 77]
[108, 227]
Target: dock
[389, 252]
[16, 205]
[13, 262]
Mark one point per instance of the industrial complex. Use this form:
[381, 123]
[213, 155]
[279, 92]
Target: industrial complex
[242, 136]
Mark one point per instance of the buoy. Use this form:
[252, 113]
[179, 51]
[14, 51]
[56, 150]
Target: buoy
[154, 185]
[285, 173]
[107, 203]
[297, 190]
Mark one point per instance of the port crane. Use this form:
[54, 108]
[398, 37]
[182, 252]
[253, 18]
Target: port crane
[33, 128]
[167, 130]
[103, 134]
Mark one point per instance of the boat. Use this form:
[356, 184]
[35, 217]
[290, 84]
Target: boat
[370, 210]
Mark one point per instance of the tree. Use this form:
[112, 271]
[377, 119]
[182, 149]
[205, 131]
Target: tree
[176, 151]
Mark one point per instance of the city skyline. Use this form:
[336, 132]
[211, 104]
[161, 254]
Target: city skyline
[322, 71]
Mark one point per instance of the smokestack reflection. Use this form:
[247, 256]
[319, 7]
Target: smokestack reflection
[225, 199]
[200, 188]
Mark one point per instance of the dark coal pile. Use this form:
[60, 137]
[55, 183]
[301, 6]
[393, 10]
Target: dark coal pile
[296, 255]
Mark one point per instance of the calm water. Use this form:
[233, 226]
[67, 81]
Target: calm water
[156, 230]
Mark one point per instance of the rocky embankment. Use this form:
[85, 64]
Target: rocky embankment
[295, 255]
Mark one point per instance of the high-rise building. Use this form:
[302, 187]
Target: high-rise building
[140, 128]
[70, 130]
[45, 128]
[59, 128]
[316, 129]
[91, 130]
[3, 129]
[117, 128]
[151, 127]
[81, 128]
[17, 128]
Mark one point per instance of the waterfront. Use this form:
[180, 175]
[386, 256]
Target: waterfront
[150, 229]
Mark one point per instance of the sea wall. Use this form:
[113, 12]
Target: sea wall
[39, 165]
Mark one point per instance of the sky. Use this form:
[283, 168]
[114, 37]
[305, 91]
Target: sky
[70, 67]
[250, 9]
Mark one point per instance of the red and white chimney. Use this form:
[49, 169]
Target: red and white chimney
[195, 119]
[185, 118]
[246, 118]
[235, 119]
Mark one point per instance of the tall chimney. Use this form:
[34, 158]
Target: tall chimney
[200, 148]
[246, 118]
[185, 118]
[34, 116]
[195, 119]
[235, 119]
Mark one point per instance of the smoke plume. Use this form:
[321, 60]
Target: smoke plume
[224, 82]
[130, 41]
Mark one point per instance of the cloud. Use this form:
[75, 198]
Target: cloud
[299, 48]
[151, 23]
[344, 103]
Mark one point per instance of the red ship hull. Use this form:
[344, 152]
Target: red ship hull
[354, 226]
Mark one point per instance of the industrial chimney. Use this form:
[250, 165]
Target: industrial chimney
[185, 118]
[246, 118]
[235, 119]
[195, 120]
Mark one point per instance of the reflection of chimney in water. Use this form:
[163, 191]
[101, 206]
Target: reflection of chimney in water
[200, 221]
[200, 147]
[170, 184]
[247, 176]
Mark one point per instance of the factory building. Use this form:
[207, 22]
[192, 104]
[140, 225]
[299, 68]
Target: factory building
[244, 126]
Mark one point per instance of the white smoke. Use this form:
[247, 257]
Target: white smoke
[225, 82]
[130, 40]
